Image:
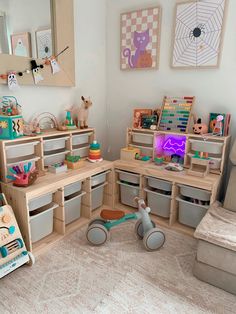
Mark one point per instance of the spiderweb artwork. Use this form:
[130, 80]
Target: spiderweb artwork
[198, 33]
[44, 43]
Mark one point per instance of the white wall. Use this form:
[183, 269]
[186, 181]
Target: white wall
[90, 45]
[215, 90]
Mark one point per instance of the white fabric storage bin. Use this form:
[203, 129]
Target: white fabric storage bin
[55, 158]
[206, 146]
[72, 188]
[41, 224]
[20, 150]
[191, 214]
[97, 196]
[80, 139]
[195, 193]
[128, 193]
[82, 152]
[159, 184]
[98, 178]
[159, 203]
[128, 177]
[73, 208]
[142, 138]
[53, 144]
[40, 201]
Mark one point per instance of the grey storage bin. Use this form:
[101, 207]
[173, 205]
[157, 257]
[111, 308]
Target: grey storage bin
[159, 184]
[41, 223]
[40, 201]
[72, 188]
[73, 208]
[82, 152]
[98, 178]
[97, 196]
[53, 144]
[128, 177]
[128, 193]
[80, 139]
[55, 158]
[195, 193]
[20, 150]
[190, 214]
[142, 138]
[159, 203]
[206, 146]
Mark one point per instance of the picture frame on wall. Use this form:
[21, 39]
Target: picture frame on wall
[198, 34]
[21, 44]
[44, 46]
[140, 32]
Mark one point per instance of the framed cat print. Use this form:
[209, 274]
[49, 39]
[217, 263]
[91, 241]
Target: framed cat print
[140, 39]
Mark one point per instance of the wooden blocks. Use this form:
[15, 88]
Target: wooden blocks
[128, 153]
[199, 167]
[74, 165]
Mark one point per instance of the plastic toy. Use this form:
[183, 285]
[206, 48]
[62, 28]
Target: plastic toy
[59, 167]
[142, 158]
[23, 175]
[69, 123]
[95, 152]
[83, 112]
[174, 167]
[159, 161]
[98, 229]
[13, 252]
[199, 127]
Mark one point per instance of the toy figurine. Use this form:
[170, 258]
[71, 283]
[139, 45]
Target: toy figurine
[199, 127]
[83, 112]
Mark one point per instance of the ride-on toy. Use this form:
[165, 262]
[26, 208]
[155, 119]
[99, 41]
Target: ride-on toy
[98, 229]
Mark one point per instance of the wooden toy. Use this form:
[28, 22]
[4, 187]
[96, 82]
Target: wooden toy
[199, 127]
[145, 229]
[74, 162]
[129, 153]
[57, 168]
[23, 175]
[69, 122]
[11, 127]
[13, 253]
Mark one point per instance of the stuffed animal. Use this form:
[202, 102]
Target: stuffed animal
[199, 127]
[83, 112]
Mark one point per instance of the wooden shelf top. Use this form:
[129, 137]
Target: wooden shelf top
[150, 169]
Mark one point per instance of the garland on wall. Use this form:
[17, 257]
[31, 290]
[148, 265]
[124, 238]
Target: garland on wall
[35, 70]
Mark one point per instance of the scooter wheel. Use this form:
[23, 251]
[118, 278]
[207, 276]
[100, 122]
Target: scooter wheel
[97, 234]
[153, 239]
[139, 228]
[99, 221]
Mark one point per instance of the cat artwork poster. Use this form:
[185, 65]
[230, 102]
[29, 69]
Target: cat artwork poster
[140, 39]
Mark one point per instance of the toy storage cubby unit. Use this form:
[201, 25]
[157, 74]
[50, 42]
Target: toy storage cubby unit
[177, 199]
[44, 149]
[56, 204]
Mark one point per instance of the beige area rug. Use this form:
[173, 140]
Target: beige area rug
[120, 277]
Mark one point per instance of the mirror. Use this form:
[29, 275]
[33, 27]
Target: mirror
[26, 28]
[37, 29]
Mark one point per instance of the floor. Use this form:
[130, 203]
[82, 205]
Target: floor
[119, 277]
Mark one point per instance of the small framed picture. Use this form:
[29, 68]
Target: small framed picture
[21, 44]
[44, 43]
[137, 117]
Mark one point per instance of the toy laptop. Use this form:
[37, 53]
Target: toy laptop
[13, 253]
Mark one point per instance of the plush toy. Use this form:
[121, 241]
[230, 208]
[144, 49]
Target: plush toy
[83, 112]
[199, 127]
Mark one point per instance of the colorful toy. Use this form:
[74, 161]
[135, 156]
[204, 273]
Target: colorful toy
[23, 175]
[59, 167]
[129, 153]
[142, 158]
[74, 162]
[13, 253]
[199, 127]
[69, 122]
[83, 112]
[159, 161]
[146, 230]
[174, 167]
[95, 152]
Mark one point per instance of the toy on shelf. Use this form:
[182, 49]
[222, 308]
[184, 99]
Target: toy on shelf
[74, 162]
[199, 165]
[69, 122]
[199, 127]
[42, 121]
[146, 230]
[159, 160]
[13, 253]
[95, 152]
[129, 153]
[176, 167]
[59, 167]
[23, 175]
[142, 158]
[83, 112]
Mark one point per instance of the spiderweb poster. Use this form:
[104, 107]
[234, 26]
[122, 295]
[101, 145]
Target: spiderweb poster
[198, 33]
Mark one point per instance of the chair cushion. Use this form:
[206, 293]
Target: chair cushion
[230, 198]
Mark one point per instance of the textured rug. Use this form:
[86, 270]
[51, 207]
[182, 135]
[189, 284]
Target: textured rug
[119, 277]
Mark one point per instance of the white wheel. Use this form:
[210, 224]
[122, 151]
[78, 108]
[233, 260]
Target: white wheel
[31, 261]
[97, 234]
[97, 221]
[153, 239]
[139, 228]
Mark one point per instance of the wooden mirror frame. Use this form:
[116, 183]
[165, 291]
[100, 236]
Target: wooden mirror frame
[63, 35]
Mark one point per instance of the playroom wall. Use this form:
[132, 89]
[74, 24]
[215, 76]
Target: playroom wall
[215, 89]
[90, 52]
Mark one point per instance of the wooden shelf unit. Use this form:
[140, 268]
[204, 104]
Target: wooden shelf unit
[36, 146]
[19, 199]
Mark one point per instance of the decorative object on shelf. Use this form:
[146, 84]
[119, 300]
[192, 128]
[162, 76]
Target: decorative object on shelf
[140, 39]
[9, 106]
[43, 121]
[83, 112]
[219, 124]
[12, 81]
[57, 168]
[149, 122]
[21, 45]
[36, 71]
[159, 160]
[129, 153]
[69, 122]
[74, 162]
[145, 229]
[95, 152]
[199, 127]
[142, 157]
[198, 35]
[23, 175]
[175, 114]
[44, 43]
[54, 65]
[176, 167]
[137, 117]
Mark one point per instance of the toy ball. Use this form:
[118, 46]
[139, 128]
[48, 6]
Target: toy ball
[200, 128]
